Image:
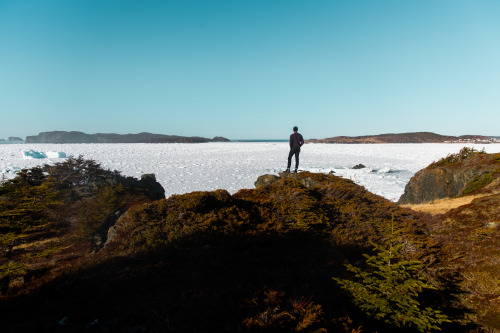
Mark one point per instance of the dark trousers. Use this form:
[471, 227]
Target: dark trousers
[293, 151]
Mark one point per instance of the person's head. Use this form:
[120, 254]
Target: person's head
[295, 128]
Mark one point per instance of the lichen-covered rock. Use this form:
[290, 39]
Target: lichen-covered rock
[304, 180]
[265, 180]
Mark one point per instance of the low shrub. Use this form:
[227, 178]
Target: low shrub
[388, 289]
[463, 154]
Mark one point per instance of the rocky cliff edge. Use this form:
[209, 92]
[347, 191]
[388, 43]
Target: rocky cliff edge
[464, 173]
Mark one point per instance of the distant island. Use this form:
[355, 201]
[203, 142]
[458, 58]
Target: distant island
[12, 139]
[414, 137]
[144, 137]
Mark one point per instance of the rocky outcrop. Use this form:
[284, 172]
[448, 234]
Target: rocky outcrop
[428, 185]
[147, 186]
[266, 180]
[80, 137]
[452, 176]
[359, 166]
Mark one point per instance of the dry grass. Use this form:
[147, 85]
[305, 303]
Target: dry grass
[441, 206]
[27, 246]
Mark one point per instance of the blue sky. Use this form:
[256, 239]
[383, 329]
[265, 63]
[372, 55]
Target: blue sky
[250, 69]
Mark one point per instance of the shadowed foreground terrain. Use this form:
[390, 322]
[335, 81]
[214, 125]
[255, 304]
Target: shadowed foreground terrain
[261, 260]
[463, 192]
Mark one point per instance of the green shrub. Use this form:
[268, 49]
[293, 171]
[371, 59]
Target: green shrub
[389, 288]
[463, 154]
[11, 268]
[105, 201]
[477, 182]
[24, 210]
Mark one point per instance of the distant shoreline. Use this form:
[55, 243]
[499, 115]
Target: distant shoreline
[259, 140]
[413, 137]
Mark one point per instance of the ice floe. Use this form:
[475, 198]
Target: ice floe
[31, 154]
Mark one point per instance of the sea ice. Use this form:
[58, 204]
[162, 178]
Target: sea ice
[56, 154]
[182, 168]
[31, 154]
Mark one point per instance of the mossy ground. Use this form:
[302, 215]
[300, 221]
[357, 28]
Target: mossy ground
[258, 261]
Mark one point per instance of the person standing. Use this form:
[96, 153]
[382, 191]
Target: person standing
[296, 141]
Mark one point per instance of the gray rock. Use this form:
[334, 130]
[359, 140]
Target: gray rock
[448, 180]
[111, 234]
[306, 181]
[265, 180]
[432, 184]
[492, 225]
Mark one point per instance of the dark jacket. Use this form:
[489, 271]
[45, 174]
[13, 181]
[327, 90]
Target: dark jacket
[296, 140]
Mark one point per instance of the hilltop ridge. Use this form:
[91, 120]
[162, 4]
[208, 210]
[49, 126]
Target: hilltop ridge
[144, 137]
[412, 137]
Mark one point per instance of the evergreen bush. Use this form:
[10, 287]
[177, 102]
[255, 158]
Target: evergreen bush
[388, 290]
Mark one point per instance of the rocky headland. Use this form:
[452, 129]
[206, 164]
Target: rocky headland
[80, 137]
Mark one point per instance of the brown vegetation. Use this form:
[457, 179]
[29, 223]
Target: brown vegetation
[260, 260]
[52, 215]
[112, 259]
[467, 222]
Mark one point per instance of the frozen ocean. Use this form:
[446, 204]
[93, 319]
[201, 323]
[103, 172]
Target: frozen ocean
[182, 168]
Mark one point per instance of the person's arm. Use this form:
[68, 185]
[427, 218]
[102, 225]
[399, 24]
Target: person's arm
[291, 140]
[301, 142]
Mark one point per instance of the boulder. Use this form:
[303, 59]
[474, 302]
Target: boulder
[155, 190]
[359, 166]
[265, 180]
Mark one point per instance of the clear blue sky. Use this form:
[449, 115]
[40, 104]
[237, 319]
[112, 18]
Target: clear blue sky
[248, 69]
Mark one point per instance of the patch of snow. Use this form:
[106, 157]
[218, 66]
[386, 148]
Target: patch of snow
[55, 154]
